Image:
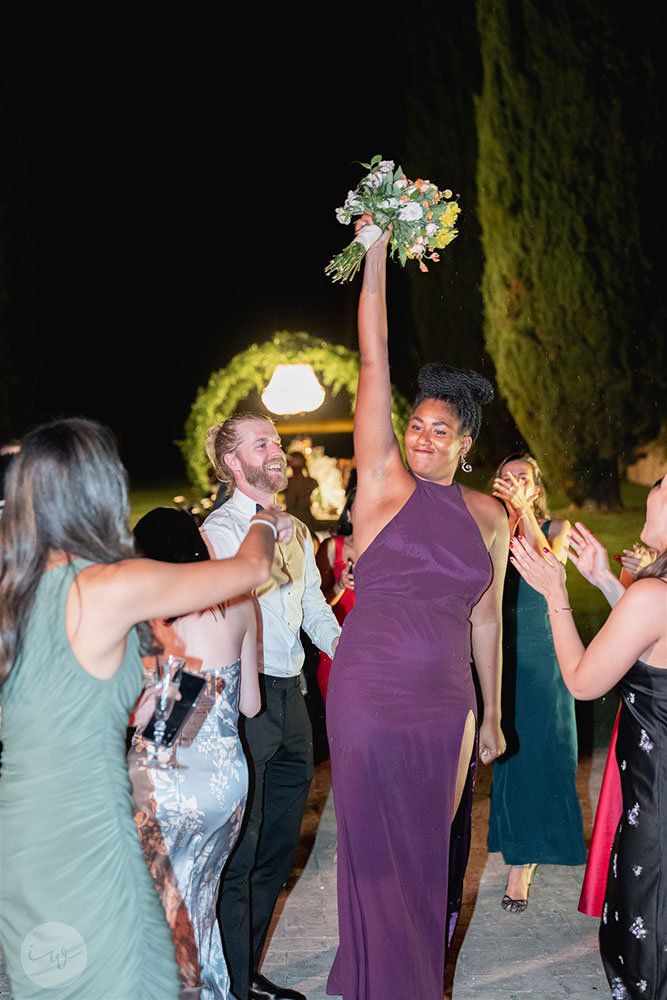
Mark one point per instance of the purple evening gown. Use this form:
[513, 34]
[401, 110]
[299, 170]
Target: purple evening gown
[399, 695]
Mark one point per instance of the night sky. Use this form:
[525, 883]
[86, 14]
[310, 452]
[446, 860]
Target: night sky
[169, 200]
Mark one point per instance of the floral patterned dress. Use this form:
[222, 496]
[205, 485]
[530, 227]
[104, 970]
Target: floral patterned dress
[189, 817]
[633, 932]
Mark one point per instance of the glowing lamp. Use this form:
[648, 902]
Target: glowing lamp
[293, 389]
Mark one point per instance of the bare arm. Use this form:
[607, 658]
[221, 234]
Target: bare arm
[591, 559]
[324, 560]
[109, 599]
[635, 628]
[513, 493]
[375, 446]
[487, 643]
[250, 700]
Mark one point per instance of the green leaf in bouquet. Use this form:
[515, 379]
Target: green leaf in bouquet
[382, 218]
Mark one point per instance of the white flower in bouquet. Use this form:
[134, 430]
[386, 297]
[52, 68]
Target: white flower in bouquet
[423, 218]
[410, 212]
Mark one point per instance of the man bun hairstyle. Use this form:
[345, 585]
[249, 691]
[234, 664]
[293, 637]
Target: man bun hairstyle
[465, 390]
[225, 437]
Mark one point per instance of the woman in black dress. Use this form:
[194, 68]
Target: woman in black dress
[629, 651]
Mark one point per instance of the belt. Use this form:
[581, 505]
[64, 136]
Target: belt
[281, 682]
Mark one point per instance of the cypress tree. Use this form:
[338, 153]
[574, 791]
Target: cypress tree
[568, 166]
[443, 73]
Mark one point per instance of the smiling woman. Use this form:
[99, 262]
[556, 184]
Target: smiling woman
[401, 706]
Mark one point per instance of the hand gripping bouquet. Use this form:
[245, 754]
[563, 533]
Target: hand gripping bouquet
[424, 218]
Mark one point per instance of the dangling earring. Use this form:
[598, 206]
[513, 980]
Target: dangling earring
[466, 466]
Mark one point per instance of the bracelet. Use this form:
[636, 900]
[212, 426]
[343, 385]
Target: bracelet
[557, 611]
[269, 524]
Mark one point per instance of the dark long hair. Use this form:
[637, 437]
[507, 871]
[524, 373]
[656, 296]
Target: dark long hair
[170, 534]
[66, 491]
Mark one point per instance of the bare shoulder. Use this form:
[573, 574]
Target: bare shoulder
[558, 527]
[489, 516]
[485, 509]
[242, 609]
[651, 589]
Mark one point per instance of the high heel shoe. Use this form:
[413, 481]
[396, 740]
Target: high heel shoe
[518, 905]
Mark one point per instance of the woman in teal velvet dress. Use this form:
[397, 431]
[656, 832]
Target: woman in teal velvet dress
[535, 814]
[79, 914]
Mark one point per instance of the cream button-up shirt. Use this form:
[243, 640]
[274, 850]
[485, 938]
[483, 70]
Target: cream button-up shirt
[290, 600]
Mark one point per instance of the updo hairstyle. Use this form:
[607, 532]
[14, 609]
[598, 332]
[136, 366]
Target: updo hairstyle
[466, 391]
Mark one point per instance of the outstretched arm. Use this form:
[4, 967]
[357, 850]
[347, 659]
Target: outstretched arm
[375, 446]
[634, 627]
[110, 599]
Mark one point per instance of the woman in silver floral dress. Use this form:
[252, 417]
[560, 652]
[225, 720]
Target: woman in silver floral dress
[189, 816]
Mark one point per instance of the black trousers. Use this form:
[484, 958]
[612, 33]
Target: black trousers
[279, 745]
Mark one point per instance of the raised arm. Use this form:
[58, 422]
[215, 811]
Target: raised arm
[635, 628]
[590, 557]
[513, 492]
[376, 449]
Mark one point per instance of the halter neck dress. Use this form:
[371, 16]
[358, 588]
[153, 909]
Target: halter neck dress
[399, 695]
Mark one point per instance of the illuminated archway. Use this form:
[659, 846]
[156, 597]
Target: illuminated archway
[336, 366]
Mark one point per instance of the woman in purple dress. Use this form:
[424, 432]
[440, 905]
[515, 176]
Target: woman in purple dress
[401, 707]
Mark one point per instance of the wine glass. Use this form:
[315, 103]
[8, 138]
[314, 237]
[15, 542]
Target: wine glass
[168, 675]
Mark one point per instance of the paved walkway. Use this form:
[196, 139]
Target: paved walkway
[547, 953]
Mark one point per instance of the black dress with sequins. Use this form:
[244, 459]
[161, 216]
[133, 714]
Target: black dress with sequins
[633, 932]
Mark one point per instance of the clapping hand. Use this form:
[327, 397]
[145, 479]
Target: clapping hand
[589, 555]
[635, 559]
[544, 573]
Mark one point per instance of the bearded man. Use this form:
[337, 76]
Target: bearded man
[248, 459]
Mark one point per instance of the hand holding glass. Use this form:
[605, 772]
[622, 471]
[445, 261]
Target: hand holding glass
[168, 674]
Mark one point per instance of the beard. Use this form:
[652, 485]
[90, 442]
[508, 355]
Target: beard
[265, 479]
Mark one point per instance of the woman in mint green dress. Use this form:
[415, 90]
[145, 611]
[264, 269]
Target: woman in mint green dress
[79, 914]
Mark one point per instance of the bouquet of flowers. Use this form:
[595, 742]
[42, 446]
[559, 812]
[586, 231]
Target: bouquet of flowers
[423, 217]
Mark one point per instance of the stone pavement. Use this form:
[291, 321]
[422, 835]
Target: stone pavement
[549, 952]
